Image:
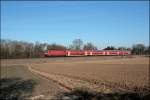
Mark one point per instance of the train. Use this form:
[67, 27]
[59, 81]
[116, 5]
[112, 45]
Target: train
[49, 53]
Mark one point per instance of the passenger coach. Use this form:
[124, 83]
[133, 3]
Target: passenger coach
[85, 53]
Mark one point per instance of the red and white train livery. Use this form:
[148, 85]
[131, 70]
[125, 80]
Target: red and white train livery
[85, 53]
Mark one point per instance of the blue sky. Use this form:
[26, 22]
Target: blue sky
[117, 23]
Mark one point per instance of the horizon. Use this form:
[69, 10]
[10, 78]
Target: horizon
[110, 23]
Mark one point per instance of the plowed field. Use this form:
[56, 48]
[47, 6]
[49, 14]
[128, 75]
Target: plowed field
[119, 74]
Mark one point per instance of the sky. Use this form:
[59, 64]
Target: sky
[103, 23]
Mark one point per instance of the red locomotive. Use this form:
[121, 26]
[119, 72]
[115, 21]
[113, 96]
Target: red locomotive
[85, 53]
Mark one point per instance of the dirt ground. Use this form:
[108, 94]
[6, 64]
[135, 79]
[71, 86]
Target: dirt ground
[127, 73]
[56, 59]
[54, 75]
[20, 79]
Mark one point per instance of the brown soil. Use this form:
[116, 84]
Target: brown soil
[54, 75]
[128, 73]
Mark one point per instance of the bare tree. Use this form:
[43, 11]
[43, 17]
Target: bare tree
[122, 48]
[76, 44]
[37, 49]
[138, 49]
[89, 46]
[110, 48]
[21, 49]
[29, 50]
[147, 51]
[56, 47]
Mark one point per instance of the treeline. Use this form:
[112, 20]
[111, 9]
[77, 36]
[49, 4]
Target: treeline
[20, 49]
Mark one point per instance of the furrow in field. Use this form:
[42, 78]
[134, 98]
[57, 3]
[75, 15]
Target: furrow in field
[70, 83]
[114, 86]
